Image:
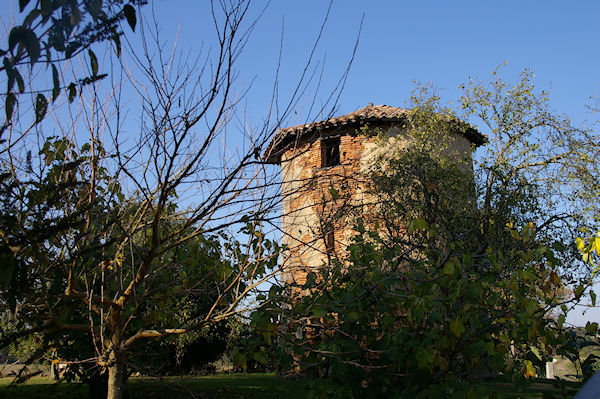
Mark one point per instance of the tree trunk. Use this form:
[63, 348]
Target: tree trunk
[97, 384]
[116, 379]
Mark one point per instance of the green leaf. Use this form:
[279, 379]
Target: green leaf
[94, 7]
[536, 352]
[72, 92]
[311, 278]
[240, 360]
[515, 234]
[75, 14]
[448, 268]
[579, 291]
[41, 105]
[46, 8]
[56, 83]
[424, 357]
[591, 328]
[260, 357]
[8, 271]
[93, 63]
[334, 194]
[117, 40]
[593, 297]
[20, 82]
[467, 260]
[22, 4]
[561, 320]
[72, 47]
[11, 100]
[457, 327]
[56, 39]
[27, 38]
[267, 338]
[531, 307]
[319, 311]
[129, 12]
[528, 370]
[526, 275]
[493, 259]
[417, 224]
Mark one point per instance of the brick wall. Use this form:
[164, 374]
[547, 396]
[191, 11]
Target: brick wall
[319, 202]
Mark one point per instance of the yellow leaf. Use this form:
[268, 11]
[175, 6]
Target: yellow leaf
[580, 243]
[528, 370]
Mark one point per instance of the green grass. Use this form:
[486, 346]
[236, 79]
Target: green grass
[247, 386]
[41, 387]
[543, 389]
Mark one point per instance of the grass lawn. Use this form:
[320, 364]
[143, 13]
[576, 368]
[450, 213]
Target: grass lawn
[247, 386]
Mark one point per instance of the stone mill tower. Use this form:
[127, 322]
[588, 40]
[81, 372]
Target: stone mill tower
[322, 185]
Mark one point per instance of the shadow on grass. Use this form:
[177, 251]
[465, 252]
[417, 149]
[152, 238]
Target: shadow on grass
[540, 389]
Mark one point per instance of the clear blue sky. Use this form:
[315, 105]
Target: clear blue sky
[443, 42]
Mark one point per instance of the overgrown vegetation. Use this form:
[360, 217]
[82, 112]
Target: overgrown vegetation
[453, 276]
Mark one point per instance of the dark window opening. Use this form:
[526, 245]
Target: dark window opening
[330, 152]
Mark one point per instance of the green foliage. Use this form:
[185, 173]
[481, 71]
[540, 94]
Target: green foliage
[580, 348]
[390, 329]
[453, 276]
[19, 350]
[70, 238]
[586, 361]
[41, 215]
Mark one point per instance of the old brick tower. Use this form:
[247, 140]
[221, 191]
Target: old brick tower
[322, 188]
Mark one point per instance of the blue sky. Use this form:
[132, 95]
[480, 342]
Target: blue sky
[443, 42]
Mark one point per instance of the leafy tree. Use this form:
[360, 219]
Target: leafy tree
[67, 259]
[453, 275]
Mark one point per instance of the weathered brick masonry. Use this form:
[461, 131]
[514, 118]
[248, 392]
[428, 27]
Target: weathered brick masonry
[322, 181]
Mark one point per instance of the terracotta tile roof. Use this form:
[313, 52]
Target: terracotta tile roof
[369, 114]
